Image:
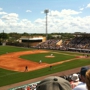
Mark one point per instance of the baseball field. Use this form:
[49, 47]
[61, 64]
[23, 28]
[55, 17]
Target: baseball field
[13, 61]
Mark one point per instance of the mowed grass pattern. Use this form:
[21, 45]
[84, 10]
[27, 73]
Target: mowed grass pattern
[9, 77]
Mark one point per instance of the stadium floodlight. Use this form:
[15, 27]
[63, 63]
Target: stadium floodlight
[46, 11]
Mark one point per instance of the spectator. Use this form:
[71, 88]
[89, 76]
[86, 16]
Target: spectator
[28, 88]
[82, 85]
[88, 79]
[69, 78]
[54, 83]
[75, 80]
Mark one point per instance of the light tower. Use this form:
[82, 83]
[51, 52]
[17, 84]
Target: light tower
[46, 11]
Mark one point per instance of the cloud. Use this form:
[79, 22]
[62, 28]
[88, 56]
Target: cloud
[42, 12]
[1, 9]
[11, 16]
[66, 20]
[2, 13]
[88, 6]
[69, 12]
[39, 21]
[81, 9]
[28, 11]
[64, 13]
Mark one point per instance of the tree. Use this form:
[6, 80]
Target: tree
[4, 36]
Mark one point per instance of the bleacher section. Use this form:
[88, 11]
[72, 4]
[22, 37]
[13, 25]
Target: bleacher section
[49, 44]
[81, 44]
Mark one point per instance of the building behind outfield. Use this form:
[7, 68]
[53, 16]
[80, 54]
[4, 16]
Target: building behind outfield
[32, 40]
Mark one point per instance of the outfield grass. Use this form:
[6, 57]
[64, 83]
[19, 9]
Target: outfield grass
[8, 49]
[9, 77]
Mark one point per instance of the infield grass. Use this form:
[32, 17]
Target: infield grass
[41, 56]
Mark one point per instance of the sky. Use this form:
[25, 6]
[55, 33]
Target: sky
[27, 16]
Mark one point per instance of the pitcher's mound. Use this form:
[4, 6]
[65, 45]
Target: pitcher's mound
[49, 56]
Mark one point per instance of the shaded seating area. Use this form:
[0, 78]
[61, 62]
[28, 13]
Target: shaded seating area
[49, 44]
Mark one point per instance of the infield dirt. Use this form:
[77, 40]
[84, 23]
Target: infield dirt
[11, 61]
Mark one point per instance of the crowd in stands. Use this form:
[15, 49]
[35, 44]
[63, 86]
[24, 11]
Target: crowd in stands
[80, 42]
[49, 44]
[75, 81]
[76, 44]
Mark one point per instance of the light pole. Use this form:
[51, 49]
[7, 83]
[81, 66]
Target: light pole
[46, 12]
